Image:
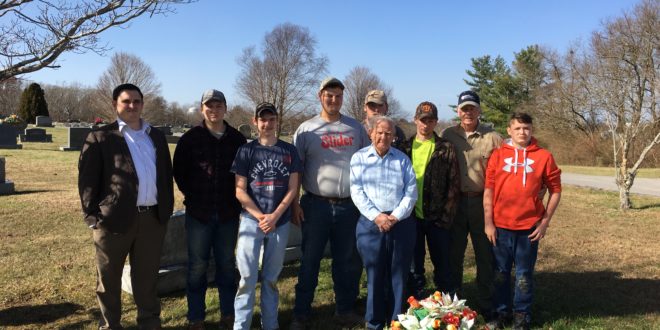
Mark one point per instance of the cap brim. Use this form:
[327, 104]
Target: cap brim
[213, 99]
[426, 115]
[460, 106]
[261, 112]
[379, 102]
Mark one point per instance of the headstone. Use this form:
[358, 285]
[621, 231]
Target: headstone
[36, 135]
[77, 136]
[43, 121]
[173, 139]
[173, 260]
[167, 130]
[246, 130]
[8, 137]
[174, 257]
[6, 186]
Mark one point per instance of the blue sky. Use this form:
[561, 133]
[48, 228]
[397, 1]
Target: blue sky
[420, 48]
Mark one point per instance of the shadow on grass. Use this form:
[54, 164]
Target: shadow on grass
[39, 314]
[650, 206]
[26, 192]
[593, 294]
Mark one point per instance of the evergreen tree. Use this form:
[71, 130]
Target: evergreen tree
[33, 103]
[497, 87]
[503, 89]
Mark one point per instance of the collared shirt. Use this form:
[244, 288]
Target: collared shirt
[472, 153]
[143, 153]
[383, 184]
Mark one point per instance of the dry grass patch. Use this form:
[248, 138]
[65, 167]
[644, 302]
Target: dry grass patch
[598, 268]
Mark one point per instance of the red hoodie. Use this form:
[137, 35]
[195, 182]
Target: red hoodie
[516, 177]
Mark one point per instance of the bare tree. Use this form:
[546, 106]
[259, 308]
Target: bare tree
[285, 74]
[359, 81]
[36, 33]
[10, 94]
[70, 102]
[614, 84]
[128, 68]
[626, 84]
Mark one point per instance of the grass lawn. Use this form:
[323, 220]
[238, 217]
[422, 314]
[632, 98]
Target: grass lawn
[609, 171]
[598, 268]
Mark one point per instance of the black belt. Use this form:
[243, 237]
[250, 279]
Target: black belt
[142, 209]
[331, 200]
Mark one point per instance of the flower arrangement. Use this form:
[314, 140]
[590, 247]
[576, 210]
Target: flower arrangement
[98, 121]
[438, 311]
[11, 120]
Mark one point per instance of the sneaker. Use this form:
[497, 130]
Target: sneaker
[350, 319]
[520, 321]
[199, 325]
[227, 322]
[299, 323]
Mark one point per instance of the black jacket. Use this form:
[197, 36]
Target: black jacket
[441, 182]
[202, 166]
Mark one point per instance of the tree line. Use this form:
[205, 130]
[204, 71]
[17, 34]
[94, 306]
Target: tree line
[596, 103]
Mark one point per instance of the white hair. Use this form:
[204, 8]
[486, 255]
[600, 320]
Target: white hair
[373, 122]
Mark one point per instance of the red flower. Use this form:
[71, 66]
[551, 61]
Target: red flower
[413, 302]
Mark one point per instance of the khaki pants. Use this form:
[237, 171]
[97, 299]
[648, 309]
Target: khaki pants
[142, 243]
[470, 220]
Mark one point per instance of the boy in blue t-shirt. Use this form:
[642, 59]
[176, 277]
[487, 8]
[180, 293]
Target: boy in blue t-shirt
[267, 173]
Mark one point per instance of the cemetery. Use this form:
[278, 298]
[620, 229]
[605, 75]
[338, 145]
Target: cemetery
[35, 135]
[8, 135]
[6, 186]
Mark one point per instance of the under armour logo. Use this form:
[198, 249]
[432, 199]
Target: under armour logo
[509, 164]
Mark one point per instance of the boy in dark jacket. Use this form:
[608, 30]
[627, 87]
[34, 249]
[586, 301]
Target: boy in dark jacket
[202, 163]
[438, 185]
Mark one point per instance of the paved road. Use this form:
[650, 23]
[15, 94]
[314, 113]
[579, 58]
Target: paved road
[643, 186]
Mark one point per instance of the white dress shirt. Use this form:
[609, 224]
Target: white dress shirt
[143, 153]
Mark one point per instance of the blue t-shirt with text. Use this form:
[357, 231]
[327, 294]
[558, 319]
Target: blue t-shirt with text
[267, 169]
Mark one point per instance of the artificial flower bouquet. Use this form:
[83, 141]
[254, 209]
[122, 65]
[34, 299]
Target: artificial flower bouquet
[11, 120]
[438, 311]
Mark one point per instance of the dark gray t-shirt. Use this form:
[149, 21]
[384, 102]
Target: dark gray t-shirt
[326, 149]
[267, 169]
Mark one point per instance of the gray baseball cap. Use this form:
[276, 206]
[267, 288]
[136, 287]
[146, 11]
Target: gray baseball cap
[376, 96]
[213, 95]
[331, 82]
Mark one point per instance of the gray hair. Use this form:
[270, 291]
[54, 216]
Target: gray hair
[373, 122]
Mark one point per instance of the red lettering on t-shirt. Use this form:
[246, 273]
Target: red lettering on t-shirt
[336, 140]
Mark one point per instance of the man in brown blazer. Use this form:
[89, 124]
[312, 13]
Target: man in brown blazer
[126, 190]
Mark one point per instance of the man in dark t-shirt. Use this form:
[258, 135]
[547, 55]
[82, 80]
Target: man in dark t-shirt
[267, 171]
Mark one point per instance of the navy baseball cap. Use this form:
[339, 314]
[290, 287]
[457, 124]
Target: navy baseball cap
[468, 97]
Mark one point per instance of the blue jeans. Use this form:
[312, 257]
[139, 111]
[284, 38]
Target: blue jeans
[250, 240]
[438, 240]
[202, 237]
[514, 247]
[334, 222]
[387, 258]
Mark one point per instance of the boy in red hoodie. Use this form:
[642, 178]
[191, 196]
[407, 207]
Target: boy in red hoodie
[514, 215]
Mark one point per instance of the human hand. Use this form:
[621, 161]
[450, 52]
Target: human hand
[540, 230]
[491, 232]
[268, 223]
[383, 222]
[392, 219]
[297, 216]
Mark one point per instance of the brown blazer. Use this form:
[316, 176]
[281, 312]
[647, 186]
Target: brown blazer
[108, 182]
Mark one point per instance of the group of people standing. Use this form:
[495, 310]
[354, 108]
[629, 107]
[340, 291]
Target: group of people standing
[377, 198]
